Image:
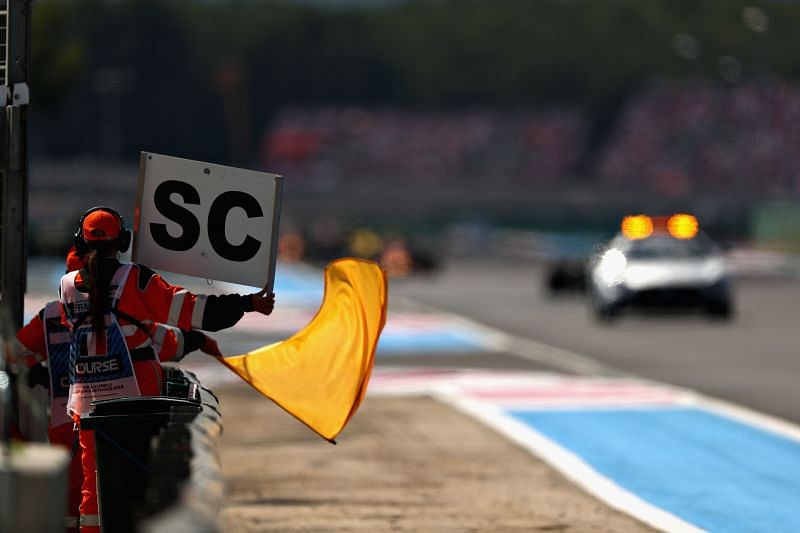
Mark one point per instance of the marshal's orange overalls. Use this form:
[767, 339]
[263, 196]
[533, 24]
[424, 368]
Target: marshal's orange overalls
[144, 300]
[40, 340]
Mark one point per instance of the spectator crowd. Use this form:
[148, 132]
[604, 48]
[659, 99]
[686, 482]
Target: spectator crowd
[671, 138]
[700, 137]
[333, 145]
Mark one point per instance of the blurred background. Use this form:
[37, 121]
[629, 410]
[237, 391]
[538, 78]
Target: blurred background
[415, 130]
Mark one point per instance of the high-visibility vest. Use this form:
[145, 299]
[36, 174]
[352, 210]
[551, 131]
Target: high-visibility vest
[56, 337]
[100, 367]
[57, 341]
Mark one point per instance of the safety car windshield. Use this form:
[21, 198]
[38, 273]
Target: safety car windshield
[669, 248]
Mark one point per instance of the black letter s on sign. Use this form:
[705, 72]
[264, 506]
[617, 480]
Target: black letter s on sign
[176, 213]
[217, 218]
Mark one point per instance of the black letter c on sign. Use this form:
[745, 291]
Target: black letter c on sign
[217, 218]
[177, 214]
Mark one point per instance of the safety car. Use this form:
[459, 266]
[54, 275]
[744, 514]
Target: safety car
[658, 263]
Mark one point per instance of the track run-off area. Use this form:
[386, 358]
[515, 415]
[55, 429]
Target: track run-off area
[610, 408]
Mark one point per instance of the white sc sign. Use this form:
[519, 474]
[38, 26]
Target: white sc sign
[206, 220]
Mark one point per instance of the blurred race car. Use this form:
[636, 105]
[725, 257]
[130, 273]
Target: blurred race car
[659, 262]
[565, 274]
[566, 257]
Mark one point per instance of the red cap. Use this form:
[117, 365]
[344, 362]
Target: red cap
[100, 226]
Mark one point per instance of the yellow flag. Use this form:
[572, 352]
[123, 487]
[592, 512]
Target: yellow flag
[320, 374]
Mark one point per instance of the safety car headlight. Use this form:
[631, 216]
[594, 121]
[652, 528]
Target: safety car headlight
[611, 268]
[713, 269]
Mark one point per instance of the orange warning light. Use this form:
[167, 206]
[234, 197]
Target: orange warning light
[682, 226]
[637, 227]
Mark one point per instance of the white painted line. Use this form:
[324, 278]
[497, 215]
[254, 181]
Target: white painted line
[566, 462]
[556, 357]
[749, 417]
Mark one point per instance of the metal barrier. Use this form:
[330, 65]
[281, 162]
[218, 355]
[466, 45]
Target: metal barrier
[201, 494]
[157, 462]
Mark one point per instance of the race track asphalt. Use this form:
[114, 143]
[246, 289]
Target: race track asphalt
[752, 361]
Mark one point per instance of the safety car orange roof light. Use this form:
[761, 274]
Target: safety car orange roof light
[637, 227]
[682, 226]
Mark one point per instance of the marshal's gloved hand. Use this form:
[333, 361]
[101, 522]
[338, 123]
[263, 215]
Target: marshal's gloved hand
[262, 302]
[197, 340]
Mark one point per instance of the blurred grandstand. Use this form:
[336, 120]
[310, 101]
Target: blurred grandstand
[405, 175]
[674, 139]
[685, 138]
[348, 146]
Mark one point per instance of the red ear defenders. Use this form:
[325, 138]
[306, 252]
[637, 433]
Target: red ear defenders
[123, 240]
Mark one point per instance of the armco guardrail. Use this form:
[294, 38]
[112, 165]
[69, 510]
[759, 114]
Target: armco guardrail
[200, 496]
[157, 462]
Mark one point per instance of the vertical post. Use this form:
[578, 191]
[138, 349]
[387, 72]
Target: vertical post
[15, 54]
[14, 217]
